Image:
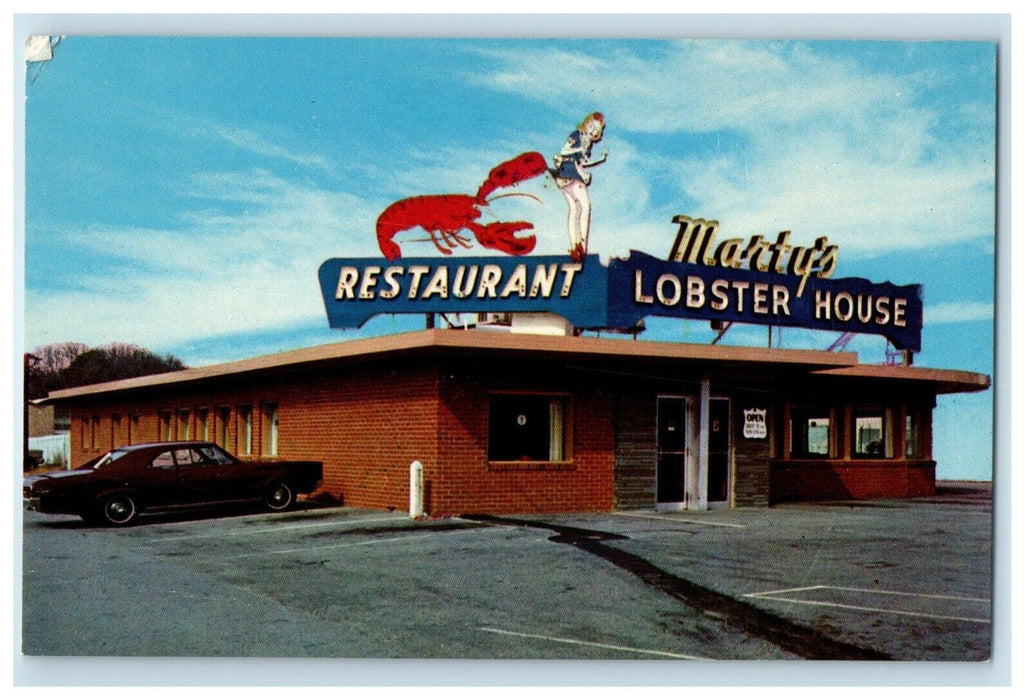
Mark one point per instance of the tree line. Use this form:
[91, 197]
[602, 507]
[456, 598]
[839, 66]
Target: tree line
[66, 365]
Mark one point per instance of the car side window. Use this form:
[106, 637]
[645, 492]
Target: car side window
[191, 458]
[163, 461]
[216, 455]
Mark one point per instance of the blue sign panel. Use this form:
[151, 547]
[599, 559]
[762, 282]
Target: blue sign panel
[355, 290]
[592, 296]
[642, 285]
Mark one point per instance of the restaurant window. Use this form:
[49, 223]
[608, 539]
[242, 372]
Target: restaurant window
[912, 445]
[245, 429]
[85, 430]
[95, 432]
[811, 434]
[134, 429]
[222, 418]
[527, 428]
[183, 426]
[116, 431]
[871, 436]
[203, 428]
[270, 429]
[165, 426]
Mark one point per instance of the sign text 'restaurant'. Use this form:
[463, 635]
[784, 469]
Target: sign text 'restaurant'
[620, 295]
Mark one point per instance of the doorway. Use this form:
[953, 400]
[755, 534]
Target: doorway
[718, 467]
[673, 450]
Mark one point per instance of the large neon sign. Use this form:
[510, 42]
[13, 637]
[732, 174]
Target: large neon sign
[733, 281]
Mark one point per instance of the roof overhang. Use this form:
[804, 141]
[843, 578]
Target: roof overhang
[942, 381]
[542, 346]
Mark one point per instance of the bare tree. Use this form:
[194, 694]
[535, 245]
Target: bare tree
[66, 365]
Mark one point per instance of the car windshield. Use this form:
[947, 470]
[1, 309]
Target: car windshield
[109, 458]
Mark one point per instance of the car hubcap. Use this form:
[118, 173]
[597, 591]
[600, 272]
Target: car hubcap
[119, 510]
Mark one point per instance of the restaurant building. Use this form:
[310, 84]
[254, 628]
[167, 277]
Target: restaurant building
[506, 422]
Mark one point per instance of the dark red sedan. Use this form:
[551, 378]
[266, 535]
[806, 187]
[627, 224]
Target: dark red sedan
[114, 489]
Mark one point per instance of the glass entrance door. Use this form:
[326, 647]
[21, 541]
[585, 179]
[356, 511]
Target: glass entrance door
[671, 450]
[718, 467]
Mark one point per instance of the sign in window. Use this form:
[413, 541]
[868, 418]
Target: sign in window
[527, 428]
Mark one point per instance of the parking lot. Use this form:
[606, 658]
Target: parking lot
[900, 580]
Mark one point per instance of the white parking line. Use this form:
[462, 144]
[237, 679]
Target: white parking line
[280, 528]
[778, 596]
[678, 520]
[579, 642]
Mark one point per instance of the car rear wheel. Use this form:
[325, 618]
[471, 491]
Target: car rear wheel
[118, 509]
[279, 496]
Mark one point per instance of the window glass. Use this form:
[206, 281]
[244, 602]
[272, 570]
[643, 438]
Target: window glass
[869, 433]
[163, 461]
[183, 426]
[911, 435]
[216, 455]
[165, 426]
[222, 418]
[109, 458]
[811, 434]
[244, 430]
[270, 429]
[203, 429]
[526, 428]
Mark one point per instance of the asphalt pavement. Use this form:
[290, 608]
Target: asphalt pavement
[887, 580]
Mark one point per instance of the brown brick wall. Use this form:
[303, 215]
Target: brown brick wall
[368, 424]
[820, 480]
[464, 481]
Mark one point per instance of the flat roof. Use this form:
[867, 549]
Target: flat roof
[946, 381]
[455, 340]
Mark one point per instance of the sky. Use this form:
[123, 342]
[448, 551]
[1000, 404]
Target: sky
[181, 193]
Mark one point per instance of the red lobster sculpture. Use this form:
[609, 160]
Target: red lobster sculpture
[443, 216]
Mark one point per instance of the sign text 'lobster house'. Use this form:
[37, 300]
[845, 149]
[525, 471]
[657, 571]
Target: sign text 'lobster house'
[736, 280]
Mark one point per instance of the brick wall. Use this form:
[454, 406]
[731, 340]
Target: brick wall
[819, 480]
[464, 481]
[368, 423]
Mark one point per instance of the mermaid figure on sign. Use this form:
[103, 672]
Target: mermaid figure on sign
[572, 177]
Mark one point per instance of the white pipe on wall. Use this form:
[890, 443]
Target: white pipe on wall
[415, 508]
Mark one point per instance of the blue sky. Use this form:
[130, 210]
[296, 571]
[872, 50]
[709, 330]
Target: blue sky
[181, 193]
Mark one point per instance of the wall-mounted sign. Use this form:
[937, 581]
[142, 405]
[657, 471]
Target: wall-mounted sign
[754, 423]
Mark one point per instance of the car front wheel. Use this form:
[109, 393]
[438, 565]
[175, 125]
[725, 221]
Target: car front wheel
[279, 496]
[118, 509]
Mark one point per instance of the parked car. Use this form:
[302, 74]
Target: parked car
[115, 488]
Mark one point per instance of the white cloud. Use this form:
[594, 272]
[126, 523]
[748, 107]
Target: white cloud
[216, 275]
[822, 146]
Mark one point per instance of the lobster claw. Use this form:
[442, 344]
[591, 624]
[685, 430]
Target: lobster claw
[501, 236]
[512, 172]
